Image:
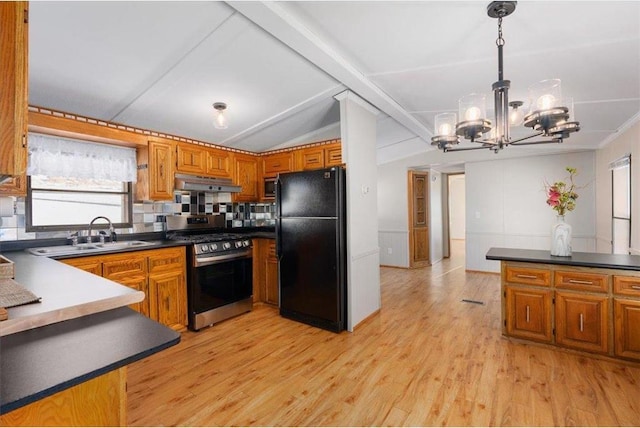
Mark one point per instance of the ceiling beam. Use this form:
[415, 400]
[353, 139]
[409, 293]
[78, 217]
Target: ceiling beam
[274, 18]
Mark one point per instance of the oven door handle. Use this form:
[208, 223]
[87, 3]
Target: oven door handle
[204, 261]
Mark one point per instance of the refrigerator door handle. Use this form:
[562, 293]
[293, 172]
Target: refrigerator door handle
[278, 220]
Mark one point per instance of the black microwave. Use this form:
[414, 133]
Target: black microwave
[270, 187]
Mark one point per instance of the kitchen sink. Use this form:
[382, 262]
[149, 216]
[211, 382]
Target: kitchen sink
[81, 249]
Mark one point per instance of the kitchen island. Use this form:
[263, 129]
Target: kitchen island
[69, 366]
[588, 302]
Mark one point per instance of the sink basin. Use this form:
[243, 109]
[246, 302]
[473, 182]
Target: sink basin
[81, 249]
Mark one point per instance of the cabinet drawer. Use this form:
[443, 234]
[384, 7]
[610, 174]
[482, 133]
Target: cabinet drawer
[583, 281]
[530, 276]
[124, 267]
[627, 285]
[167, 260]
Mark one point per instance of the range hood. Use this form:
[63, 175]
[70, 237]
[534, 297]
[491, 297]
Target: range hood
[205, 184]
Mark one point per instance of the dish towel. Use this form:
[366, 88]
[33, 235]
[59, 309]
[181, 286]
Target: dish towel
[13, 294]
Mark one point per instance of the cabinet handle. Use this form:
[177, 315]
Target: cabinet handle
[527, 314]
[581, 322]
[577, 281]
[636, 287]
[161, 170]
[526, 276]
[24, 139]
[167, 303]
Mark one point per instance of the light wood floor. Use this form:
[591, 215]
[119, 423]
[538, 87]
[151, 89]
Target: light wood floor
[426, 359]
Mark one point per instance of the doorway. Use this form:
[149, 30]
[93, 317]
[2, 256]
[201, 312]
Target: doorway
[455, 217]
[621, 205]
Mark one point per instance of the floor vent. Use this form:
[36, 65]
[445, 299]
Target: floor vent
[475, 302]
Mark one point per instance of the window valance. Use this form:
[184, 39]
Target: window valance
[64, 157]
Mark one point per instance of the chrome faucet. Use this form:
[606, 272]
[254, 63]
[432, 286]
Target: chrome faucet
[111, 230]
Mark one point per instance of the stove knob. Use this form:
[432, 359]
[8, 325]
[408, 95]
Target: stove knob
[204, 248]
[246, 243]
[238, 244]
[214, 247]
[226, 245]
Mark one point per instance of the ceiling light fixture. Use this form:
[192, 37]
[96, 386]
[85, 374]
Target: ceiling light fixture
[220, 120]
[549, 114]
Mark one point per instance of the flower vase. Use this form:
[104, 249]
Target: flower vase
[561, 238]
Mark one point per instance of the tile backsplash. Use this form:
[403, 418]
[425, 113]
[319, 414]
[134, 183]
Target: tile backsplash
[150, 216]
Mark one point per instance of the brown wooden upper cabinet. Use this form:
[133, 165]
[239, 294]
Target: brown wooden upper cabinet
[155, 171]
[14, 70]
[246, 176]
[318, 157]
[219, 163]
[191, 159]
[277, 162]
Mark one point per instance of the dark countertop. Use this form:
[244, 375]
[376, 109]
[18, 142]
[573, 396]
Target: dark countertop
[42, 361]
[595, 260]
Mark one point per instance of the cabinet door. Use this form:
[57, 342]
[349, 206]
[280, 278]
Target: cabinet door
[167, 302]
[17, 186]
[528, 313]
[272, 293]
[219, 163]
[246, 176]
[88, 264]
[191, 159]
[138, 283]
[167, 259]
[161, 179]
[582, 321]
[333, 155]
[14, 34]
[627, 328]
[312, 158]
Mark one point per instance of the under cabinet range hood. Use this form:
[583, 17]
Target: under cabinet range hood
[205, 184]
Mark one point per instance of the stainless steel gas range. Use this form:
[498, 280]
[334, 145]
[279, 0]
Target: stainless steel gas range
[219, 269]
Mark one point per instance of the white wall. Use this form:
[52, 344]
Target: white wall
[435, 216]
[457, 205]
[393, 218]
[628, 142]
[358, 134]
[506, 205]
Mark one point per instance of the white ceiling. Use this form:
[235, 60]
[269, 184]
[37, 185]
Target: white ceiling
[161, 65]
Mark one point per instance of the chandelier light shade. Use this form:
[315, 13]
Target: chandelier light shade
[550, 114]
[220, 119]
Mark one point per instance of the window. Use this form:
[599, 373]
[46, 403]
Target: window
[621, 206]
[70, 182]
[71, 203]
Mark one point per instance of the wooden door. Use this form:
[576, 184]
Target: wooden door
[418, 219]
[312, 158]
[138, 283]
[333, 155]
[528, 313]
[582, 321]
[627, 328]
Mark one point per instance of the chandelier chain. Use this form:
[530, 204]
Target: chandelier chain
[500, 40]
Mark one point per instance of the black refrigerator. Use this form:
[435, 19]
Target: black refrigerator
[311, 247]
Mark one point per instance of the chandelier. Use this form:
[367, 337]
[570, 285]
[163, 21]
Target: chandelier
[549, 114]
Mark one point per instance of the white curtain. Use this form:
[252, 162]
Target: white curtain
[63, 157]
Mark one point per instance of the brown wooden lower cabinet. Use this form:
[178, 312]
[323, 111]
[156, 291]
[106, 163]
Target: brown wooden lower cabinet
[529, 313]
[627, 328]
[582, 321]
[592, 310]
[101, 401]
[265, 272]
[160, 274]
